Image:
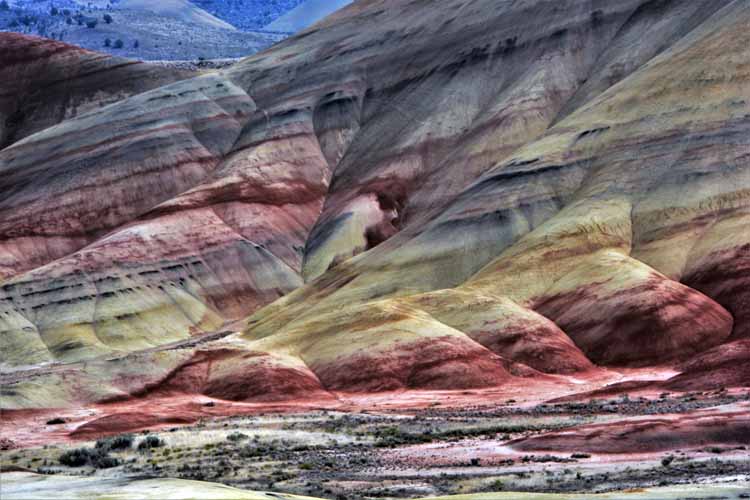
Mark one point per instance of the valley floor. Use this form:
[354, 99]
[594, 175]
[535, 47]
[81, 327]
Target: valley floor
[411, 446]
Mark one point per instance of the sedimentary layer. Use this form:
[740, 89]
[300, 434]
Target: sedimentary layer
[440, 195]
[45, 82]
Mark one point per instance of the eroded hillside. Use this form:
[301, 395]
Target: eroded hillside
[441, 195]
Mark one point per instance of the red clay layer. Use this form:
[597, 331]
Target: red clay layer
[653, 323]
[440, 363]
[251, 377]
[646, 435]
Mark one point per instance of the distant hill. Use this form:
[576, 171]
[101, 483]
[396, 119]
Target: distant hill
[306, 14]
[179, 9]
[140, 29]
[248, 15]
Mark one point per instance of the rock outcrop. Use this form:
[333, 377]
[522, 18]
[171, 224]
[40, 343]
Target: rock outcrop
[446, 195]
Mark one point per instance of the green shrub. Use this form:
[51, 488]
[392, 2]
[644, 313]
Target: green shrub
[104, 461]
[76, 458]
[150, 442]
[121, 442]
[97, 458]
[236, 436]
[497, 485]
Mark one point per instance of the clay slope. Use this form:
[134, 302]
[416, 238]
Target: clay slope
[624, 188]
[45, 82]
[456, 195]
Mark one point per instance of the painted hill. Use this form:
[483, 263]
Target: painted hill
[46, 82]
[411, 196]
[306, 14]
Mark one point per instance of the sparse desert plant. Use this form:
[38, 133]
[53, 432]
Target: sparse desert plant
[76, 458]
[119, 44]
[107, 19]
[236, 436]
[4, 5]
[97, 458]
[121, 442]
[92, 23]
[104, 461]
[150, 442]
[107, 42]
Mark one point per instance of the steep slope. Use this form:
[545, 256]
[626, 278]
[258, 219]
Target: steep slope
[45, 82]
[581, 224]
[175, 242]
[448, 195]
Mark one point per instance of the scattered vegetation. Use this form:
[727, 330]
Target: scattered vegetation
[96, 457]
[150, 442]
[121, 442]
[315, 454]
[236, 436]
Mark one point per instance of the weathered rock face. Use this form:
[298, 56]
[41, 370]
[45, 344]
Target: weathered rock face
[45, 82]
[454, 194]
